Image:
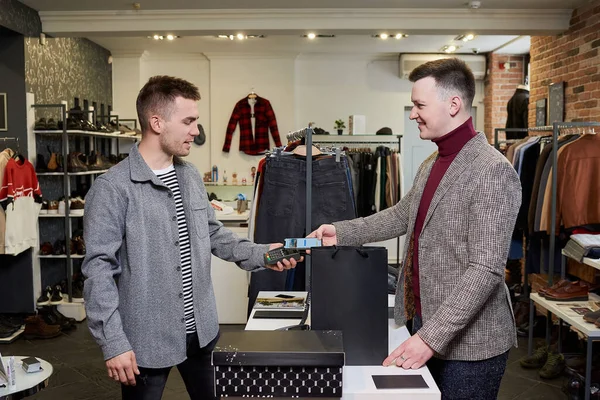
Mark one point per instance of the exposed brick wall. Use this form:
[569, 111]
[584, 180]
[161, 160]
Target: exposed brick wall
[500, 85]
[573, 58]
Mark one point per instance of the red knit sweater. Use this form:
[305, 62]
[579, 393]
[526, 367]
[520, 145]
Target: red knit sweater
[449, 146]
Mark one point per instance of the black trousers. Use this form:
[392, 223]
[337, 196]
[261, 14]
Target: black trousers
[466, 380]
[282, 210]
[197, 372]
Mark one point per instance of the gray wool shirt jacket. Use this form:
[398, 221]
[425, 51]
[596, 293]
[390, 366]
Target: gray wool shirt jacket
[463, 246]
[133, 288]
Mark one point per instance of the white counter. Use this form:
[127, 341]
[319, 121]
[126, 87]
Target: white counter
[358, 383]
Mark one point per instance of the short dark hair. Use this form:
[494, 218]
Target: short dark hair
[451, 75]
[158, 95]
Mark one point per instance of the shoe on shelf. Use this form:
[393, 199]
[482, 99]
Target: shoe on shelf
[574, 291]
[557, 285]
[78, 245]
[59, 247]
[56, 296]
[54, 310]
[44, 209]
[537, 359]
[53, 163]
[52, 318]
[52, 125]
[592, 316]
[7, 331]
[40, 164]
[554, 366]
[53, 207]
[44, 299]
[41, 125]
[74, 164]
[37, 328]
[77, 206]
[46, 249]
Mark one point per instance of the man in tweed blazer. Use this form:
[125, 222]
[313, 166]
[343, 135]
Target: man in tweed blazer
[459, 216]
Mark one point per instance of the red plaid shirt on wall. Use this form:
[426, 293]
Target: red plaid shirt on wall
[265, 120]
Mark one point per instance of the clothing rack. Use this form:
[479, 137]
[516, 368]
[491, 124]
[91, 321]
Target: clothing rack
[559, 129]
[366, 140]
[306, 134]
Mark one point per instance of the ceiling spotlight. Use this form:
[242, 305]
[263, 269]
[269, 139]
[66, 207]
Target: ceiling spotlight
[399, 36]
[317, 36]
[155, 37]
[170, 37]
[449, 48]
[470, 36]
[311, 36]
[241, 36]
[383, 36]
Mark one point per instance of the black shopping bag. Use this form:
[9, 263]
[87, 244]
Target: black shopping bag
[349, 293]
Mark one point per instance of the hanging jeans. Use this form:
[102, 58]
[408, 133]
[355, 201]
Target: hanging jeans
[282, 210]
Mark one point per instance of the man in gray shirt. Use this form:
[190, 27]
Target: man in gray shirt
[150, 232]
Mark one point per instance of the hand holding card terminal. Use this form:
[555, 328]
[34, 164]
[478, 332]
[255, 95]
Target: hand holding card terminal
[280, 254]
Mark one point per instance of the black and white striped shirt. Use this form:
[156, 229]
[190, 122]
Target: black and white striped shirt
[169, 178]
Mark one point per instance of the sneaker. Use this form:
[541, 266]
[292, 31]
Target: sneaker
[44, 299]
[56, 297]
[77, 206]
[554, 366]
[53, 207]
[537, 359]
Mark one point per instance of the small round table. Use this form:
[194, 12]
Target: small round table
[28, 384]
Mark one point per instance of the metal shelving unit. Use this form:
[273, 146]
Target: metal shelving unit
[64, 136]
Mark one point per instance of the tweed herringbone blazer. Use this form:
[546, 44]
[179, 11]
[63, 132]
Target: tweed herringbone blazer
[463, 247]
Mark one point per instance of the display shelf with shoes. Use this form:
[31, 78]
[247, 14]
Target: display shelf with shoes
[565, 311]
[72, 139]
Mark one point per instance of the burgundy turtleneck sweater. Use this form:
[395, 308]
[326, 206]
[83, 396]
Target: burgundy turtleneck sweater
[449, 146]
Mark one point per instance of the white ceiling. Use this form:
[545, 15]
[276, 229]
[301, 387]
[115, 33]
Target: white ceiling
[70, 5]
[431, 24]
[296, 44]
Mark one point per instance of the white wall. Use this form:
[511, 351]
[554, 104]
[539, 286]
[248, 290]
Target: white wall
[231, 79]
[330, 88]
[315, 88]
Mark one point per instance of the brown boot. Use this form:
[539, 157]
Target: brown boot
[53, 163]
[74, 164]
[36, 328]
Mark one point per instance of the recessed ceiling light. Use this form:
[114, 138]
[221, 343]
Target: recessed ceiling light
[383, 36]
[155, 37]
[170, 37]
[465, 38]
[319, 36]
[241, 36]
[449, 48]
[311, 36]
